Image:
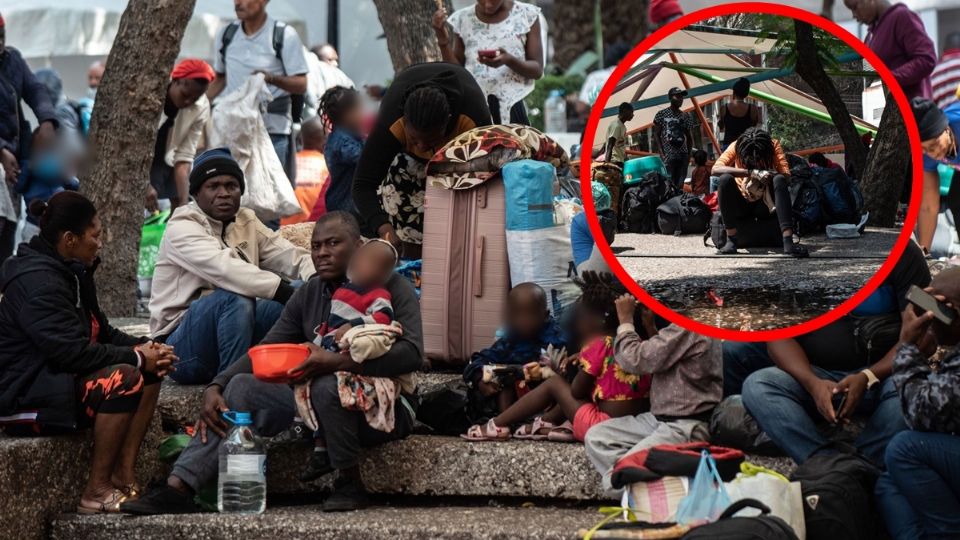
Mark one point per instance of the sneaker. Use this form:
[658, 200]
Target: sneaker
[729, 248]
[796, 251]
[318, 466]
[347, 496]
[162, 500]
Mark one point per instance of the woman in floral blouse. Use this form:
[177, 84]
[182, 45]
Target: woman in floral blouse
[499, 43]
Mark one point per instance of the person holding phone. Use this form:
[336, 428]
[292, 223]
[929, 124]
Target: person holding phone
[837, 371]
[500, 44]
[919, 494]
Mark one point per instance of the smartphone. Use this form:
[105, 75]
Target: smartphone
[488, 53]
[926, 302]
[838, 400]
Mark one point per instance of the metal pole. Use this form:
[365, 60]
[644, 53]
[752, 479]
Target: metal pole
[333, 23]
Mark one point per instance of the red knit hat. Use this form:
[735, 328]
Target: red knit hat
[663, 10]
[191, 68]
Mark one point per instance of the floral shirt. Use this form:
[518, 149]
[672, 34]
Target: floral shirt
[613, 383]
[511, 35]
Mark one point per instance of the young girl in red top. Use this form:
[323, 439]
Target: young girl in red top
[600, 391]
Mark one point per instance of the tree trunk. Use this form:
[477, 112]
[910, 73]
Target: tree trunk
[887, 168]
[122, 136]
[572, 28]
[811, 70]
[407, 25]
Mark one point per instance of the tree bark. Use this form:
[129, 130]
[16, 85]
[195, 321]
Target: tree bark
[410, 36]
[887, 168]
[811, 70]
[572, 28]
[122, 136]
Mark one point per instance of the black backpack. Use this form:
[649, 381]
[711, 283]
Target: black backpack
[840, 196]
[716, 233]
[684, 214]
[728, 527]
[638, 213]
[296, 101]
[807, 205]
[837, 492]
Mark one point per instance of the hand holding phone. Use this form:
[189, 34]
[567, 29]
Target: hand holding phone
[488, 53]
[839, 399]
[926, 302]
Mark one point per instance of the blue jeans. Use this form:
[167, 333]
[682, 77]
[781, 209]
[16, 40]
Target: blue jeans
[919, 495]
[786, 412]
[216, 331]
[740, 359]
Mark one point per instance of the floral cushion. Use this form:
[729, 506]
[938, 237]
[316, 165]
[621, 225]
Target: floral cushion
[476, 156]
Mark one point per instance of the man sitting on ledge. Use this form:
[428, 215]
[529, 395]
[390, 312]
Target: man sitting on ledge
[221, 277]
[335, 238]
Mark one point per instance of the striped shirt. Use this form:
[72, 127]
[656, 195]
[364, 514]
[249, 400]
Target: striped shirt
[946, 79]
[355, 306]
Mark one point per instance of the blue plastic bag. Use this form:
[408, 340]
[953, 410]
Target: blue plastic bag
[707, 498]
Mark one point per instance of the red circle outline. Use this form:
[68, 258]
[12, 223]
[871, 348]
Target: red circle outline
[754, 335]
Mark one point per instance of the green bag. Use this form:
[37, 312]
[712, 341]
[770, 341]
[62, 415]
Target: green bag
[150, 237]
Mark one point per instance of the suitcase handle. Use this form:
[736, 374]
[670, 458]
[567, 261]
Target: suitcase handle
[477, 266]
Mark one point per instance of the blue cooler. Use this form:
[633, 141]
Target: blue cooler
[635, 169]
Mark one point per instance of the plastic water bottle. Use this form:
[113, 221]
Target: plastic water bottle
[242, 486]
[555, 113]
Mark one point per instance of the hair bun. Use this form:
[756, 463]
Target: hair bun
[37, 207]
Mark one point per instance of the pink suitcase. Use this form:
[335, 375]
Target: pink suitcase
[465, 278]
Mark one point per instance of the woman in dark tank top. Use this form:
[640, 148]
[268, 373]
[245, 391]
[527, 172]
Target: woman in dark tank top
[734, 126]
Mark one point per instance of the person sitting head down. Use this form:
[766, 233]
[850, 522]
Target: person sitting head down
[938, 140]
[217, 184]
[427, 118]
[373, 264]
[527, 311]
[756, 150]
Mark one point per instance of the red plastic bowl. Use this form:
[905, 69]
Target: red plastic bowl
[272, 362]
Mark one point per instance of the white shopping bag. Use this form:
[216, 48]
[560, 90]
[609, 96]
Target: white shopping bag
[238, 125]
[784, 498]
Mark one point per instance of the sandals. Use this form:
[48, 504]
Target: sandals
[539, 430]
[110, 505]
[486, 432]
[561, 433]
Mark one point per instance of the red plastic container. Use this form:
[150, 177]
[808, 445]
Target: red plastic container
[272, 362]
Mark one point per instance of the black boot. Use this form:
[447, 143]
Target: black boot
[348, 494]
[318, 466]
[162, 500]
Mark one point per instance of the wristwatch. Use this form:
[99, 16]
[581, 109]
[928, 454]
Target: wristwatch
[871, 378]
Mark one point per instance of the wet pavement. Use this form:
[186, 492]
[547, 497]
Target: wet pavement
[757, 289]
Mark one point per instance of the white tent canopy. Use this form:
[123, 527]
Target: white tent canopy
[68, 35]
[712, 53]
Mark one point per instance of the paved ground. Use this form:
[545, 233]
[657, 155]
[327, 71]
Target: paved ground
[680, 271]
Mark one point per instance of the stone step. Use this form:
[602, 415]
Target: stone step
[379, 523]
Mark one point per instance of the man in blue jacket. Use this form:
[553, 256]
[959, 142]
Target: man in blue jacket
[17, 83]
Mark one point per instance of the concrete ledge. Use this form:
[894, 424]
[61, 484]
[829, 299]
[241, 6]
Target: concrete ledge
[43, 476]
[383, 523]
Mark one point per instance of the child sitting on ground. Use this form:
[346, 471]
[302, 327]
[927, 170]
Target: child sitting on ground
[529, 331]
[360, 324]
[600, 391]
[687, 383]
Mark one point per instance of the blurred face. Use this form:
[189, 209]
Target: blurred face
[185, 92]
[942, 146]
[425, 141]
[526, 314]
[490, 7]
[329, 55]
[372, 265]
[84, 248]
[95, 74]
[331, 249]
[249, 9]
[219, 197]
[676, 101]
[589, 324]
[864, 11]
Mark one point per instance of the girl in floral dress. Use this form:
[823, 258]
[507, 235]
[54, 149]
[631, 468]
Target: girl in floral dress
[499, 43]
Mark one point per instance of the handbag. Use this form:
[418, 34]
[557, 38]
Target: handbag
[707, 497]
[784, 497]
[875, 335]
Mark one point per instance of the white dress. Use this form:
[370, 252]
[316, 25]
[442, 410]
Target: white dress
[511, 35]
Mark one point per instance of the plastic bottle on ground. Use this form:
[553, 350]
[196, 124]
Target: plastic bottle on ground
[555, 113]
[242, 484]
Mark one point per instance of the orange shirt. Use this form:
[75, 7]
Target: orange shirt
[312, 175]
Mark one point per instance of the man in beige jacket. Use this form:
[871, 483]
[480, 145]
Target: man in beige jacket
[221, 277]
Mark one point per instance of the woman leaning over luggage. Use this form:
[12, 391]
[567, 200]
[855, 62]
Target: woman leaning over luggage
[62, 366]
[499, 43]
[426, 107]
[753, 184]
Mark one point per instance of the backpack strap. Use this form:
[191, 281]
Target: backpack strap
[225, 40]
[278, 31]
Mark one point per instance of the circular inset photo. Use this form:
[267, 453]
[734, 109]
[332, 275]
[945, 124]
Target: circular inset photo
[750, 172]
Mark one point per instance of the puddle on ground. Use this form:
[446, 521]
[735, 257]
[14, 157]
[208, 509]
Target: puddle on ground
[753, 308]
